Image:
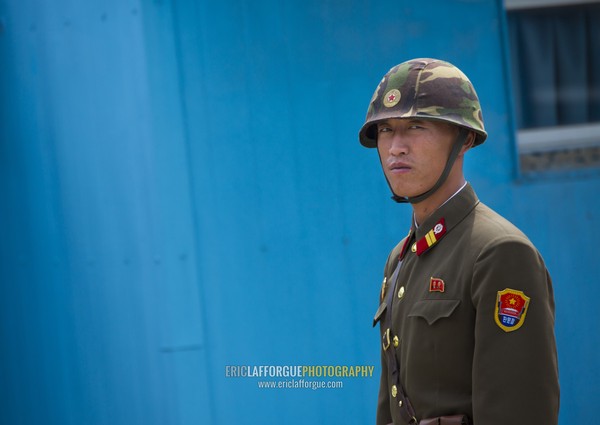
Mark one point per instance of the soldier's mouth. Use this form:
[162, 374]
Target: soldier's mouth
[399, 167]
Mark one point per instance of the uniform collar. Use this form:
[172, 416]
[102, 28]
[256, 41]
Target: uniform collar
[444, 219]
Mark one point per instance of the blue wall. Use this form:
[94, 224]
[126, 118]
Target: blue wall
[183, 189]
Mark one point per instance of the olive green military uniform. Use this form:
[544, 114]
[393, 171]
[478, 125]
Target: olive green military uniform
[460, 345]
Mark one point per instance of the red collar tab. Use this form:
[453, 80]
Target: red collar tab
[405, 246]
[431, 237]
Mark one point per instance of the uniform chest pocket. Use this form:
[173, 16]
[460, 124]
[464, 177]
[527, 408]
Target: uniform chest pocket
[433, 310]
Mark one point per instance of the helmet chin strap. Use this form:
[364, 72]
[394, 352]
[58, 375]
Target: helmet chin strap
[458, 144]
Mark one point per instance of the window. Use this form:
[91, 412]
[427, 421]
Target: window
[555, 59]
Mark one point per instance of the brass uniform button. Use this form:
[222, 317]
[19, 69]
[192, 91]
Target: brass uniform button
[396, 341]
[413, 248]
[394, 391]
[401, 292]
[400, 403]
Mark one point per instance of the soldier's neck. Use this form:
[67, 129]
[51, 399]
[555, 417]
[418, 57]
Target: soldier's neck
[425, 208]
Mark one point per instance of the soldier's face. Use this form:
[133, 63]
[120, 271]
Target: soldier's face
[414, 153]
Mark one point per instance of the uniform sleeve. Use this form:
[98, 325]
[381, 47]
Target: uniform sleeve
[515, 372]
[384, 416]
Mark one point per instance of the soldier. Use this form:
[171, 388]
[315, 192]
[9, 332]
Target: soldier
[466, 308]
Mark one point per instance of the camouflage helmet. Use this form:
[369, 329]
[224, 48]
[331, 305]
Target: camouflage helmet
[426, 89]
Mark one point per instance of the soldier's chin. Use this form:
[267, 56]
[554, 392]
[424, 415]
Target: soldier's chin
[406, 194]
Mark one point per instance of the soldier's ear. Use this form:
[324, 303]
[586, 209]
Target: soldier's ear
[469, 142]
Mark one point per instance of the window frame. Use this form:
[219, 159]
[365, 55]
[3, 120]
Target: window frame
[530, 4]
[544, 139]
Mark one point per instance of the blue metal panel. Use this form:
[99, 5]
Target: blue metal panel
[106, 324]
[184, 190]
